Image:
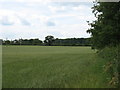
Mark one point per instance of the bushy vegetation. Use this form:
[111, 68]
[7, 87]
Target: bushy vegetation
[105, 33]
[112, 66]
[105, 30]
[72, 42]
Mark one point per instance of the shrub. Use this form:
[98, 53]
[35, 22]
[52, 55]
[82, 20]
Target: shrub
[112, 55]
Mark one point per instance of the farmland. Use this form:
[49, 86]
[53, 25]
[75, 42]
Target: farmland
[52, 67]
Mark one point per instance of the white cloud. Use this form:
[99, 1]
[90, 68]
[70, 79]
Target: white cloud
[5, 12]
[47, 0]
[54, 9]
[37, 20]
[81, 7]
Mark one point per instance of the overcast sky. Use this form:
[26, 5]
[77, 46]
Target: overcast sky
[39, 18]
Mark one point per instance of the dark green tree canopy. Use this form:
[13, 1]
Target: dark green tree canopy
[105, 30]
[49, 40]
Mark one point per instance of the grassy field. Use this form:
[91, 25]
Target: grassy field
[52, 67]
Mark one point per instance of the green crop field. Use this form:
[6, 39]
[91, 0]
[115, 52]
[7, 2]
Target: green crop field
[52, 67]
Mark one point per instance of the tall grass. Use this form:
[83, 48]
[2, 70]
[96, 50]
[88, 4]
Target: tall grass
[52, 67]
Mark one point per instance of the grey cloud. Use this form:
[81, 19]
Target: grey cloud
[24, 21]
[5, 21]
[50, 23]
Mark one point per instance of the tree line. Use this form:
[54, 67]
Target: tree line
[105, 37]
[105, 30]
[50, 41]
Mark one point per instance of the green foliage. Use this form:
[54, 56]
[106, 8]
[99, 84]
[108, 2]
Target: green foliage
[72, 42]
[112, 56]
[106, 29]
[49, 40]
[23, 42]
[105, 33]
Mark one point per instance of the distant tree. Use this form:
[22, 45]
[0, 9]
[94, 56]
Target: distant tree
[7, 42]
[72, 42]
[36, 42]
[16, 42]
[49, 40]
[20, 41]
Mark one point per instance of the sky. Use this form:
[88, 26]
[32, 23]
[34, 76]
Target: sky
[38, 18]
